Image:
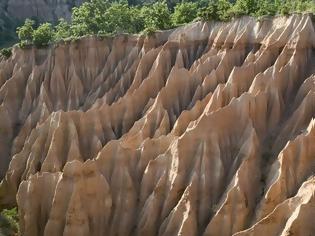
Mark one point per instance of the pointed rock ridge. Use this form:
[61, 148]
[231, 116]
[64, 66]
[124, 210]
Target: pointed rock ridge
[206, 129]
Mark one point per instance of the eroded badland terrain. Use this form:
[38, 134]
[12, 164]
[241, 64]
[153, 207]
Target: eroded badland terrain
[207, 129]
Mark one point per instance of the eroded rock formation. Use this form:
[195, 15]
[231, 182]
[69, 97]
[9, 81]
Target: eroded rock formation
[207, 129]
[43, 10]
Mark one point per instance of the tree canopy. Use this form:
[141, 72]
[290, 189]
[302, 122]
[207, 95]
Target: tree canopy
[184, 12]
[43, 35]
[134, 16]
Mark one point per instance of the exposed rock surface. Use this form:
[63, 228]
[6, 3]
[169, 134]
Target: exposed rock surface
[14, 12]
[203, 130]
[43, 10]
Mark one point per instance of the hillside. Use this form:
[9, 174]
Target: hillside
[206, 129]
[43, 10]
[14, 12]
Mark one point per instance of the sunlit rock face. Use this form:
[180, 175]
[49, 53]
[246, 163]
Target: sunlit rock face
[207, 130]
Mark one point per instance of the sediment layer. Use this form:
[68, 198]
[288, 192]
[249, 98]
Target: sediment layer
[207, 129]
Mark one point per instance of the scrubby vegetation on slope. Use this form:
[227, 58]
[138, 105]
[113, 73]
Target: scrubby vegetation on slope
[9, 222]
[104, 17]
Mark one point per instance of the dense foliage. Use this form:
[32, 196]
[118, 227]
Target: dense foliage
[6, 52]
[25, 32]
[9, 222]
[43, 35]
[184, 12]
[134, 16]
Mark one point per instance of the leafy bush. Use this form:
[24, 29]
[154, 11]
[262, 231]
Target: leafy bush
[108, 17]
[148, 31]
[122, 18]
[6, 52]
[25, 32]
[305, 6]
[43, 35]
[157, 16]
[62, 30]
[216, 10]
[224, 10]
[184, 13]
[89, 18]
[83, 21]
[137, 19]
[244, 7]
[209, 12]
[24, 44]
[9, 222]
[266, 7]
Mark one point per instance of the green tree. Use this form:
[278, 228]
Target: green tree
[43, 35]
[266, 7]
[89, 18]
[245, 7]
[305, 6]
[25, 32]
[122, 18]
[133, 16]
[157, 16]
[224, 8]
[216, 10]
[209, 12]
[184, 12]
[83, 21]
[62, 30]
[137, 19]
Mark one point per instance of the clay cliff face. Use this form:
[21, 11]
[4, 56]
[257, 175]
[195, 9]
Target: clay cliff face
[43, 10]
[203, 130]
[14, 12]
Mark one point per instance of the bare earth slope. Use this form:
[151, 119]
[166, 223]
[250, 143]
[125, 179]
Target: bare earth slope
[203, 130]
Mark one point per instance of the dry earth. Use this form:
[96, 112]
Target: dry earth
[207, 129]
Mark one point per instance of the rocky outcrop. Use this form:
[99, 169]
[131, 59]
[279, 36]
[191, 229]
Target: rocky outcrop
[14, 12]
[43, 10]
[203, 130]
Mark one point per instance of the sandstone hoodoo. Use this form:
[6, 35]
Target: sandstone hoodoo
[206, 129]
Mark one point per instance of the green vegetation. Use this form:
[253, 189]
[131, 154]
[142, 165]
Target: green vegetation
[120, 18]
[9, 222]
[104, 17]
[217, 10]
[25, 33]
[184, 12]
[157, 16]
[62, 30]
[43, 35]
[6, 52]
